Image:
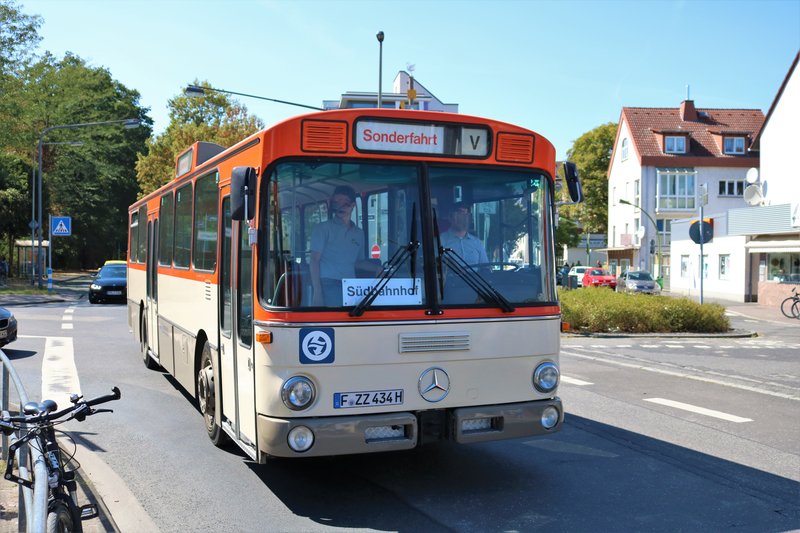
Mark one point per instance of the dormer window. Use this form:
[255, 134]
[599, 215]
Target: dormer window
[674, 144]
[624, 148]
[734, 145]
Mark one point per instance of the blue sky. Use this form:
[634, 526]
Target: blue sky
[558, 68]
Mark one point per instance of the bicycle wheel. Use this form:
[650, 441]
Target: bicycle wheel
[796, 309]
[786, 306]
[62, 516]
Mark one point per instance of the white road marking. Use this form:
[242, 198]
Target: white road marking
[699, 410]
[69, 311]
[66, 325]
[757, 387]
[650, 346]
[67, 318]
[575, 381]
[623, 345]
[701, 346]
[59, 374]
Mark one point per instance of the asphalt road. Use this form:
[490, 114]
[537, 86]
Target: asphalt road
[726, 456]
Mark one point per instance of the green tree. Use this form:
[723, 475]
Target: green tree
[96, 182]
[591, 152]
[567, 233]
[214, 117]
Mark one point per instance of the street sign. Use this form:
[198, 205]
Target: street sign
[705, 234]
[60, 226]
[375, 252]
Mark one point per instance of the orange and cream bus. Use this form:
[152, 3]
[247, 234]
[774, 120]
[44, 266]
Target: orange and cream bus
[356, 281]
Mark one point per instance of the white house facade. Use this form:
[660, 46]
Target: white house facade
[661, 160]
[755, 252]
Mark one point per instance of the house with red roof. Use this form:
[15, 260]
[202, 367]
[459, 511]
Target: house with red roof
[661, 161]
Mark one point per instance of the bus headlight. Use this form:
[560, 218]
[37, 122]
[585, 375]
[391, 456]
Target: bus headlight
[301, 439]
[550, 417]
[298, 393]
[545, 377]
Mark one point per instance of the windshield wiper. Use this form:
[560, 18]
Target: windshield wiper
[392, 267]
[475, 281]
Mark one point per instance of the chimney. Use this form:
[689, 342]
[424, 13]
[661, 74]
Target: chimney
[688, 112]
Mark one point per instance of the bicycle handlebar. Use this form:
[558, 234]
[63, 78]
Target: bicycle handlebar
[80, 405]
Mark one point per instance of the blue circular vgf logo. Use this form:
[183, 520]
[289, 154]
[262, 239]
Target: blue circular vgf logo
[316, 346]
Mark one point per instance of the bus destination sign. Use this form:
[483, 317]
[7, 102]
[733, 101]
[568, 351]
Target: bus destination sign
[421, 138]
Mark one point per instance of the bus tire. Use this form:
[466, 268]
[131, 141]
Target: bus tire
[207, 397]
[62, 516]
[148, 361]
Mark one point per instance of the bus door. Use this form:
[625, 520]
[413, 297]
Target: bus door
[237, 363]
[151, 303]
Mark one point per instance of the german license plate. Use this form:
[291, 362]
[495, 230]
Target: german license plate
[115, 293]
[375, 398]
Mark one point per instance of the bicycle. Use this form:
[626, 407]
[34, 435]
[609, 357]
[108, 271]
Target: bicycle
[790, 307]
[37, 427]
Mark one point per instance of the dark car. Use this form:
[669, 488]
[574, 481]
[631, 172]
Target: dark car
[637, 282]
[110, 284]
[8, 327]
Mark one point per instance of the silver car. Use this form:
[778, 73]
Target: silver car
[637, 282]
[8, 327]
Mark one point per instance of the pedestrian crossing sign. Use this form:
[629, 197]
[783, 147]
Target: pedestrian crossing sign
[61, 226]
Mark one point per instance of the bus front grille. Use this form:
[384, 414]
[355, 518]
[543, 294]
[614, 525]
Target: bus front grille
[434, 342]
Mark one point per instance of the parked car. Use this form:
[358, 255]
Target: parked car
[8, 327]
[115, 262]
[598, 277]
[110, 283]
[637, 282]
[576, 275]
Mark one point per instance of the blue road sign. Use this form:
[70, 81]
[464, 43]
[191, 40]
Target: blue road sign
[60, 226]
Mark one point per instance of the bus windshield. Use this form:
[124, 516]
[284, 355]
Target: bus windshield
[346, 234]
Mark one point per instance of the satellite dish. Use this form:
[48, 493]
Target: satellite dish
[752, 176]
[753, 195]
[641, 232]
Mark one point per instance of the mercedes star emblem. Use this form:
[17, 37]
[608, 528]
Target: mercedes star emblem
[434, 384]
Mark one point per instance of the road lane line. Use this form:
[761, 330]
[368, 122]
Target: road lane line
[66, 325]
[59, 374]
[699, 410]
[754, 388]
[575, 381]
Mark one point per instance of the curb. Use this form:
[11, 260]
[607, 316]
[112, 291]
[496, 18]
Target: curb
[734, 334]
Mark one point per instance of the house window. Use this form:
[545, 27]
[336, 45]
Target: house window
[724, 266]
[624, 148]
[675, 145]
[734, 145]
[705, 267]
[731, 188]
[664, 228]
[684, 266]
[676, 188]
[636, 232]
[636, 192]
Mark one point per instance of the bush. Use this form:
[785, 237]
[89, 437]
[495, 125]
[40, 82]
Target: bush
[600, 310]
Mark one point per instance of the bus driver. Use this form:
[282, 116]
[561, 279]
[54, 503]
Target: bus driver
[337, 248]
[458, 238]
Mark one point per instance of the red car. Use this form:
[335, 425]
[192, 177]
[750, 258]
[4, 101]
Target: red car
[597, 277]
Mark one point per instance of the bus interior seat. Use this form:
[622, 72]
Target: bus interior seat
[294, 286]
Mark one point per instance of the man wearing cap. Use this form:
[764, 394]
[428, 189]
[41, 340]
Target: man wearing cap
[458, 238]
[337, 247]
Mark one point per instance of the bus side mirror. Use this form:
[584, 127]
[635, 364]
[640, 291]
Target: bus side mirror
[243, 193]
[573, 181]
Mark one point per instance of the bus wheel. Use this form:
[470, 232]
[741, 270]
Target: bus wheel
[207, 398]
[148, 361]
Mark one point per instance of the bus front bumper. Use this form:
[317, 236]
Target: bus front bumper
[341, 435]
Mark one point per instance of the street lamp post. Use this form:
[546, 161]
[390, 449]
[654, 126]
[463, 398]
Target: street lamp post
[127, 123]
[198, 90]
[380, 68]
[655, 226]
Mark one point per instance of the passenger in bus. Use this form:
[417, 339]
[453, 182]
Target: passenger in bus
[458, 238]
[337, 249]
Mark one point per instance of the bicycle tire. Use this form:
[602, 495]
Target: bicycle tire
[63, 516]
[787, 305]
[796, 309]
